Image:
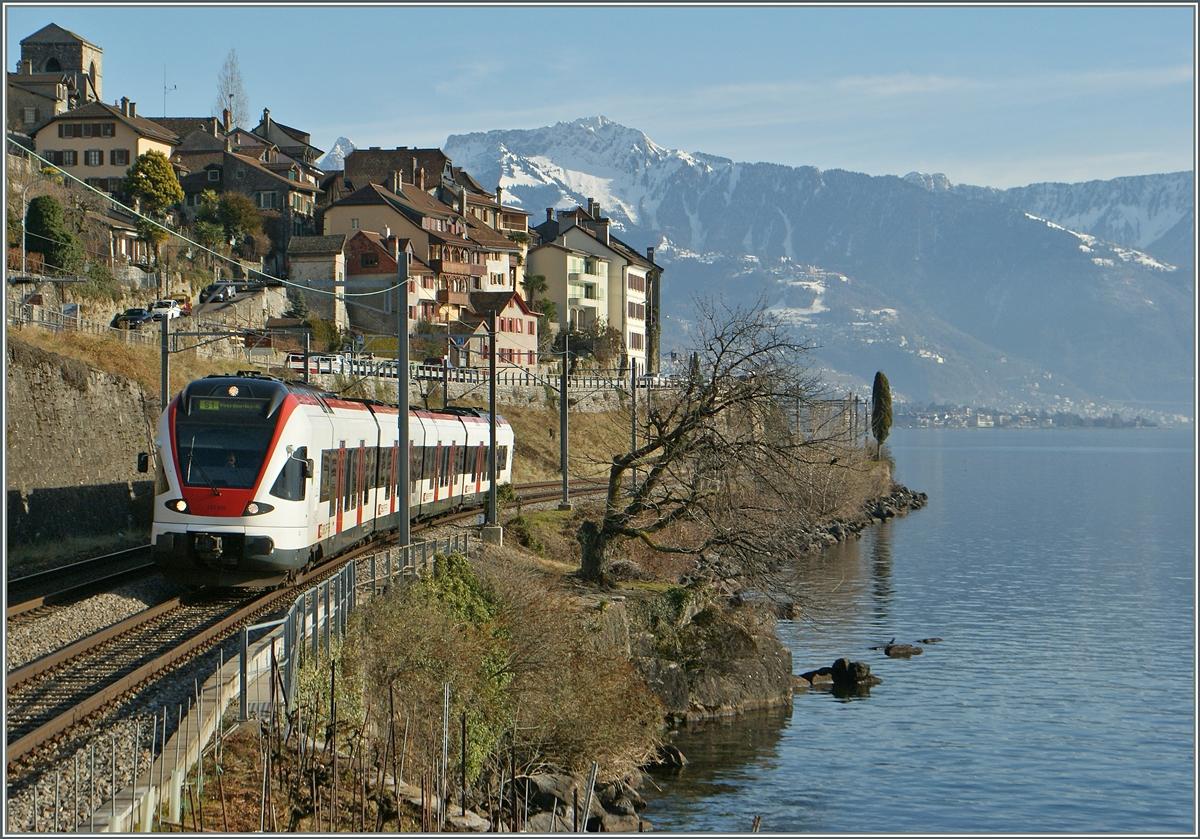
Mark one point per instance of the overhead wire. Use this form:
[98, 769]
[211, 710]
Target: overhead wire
[139, 215]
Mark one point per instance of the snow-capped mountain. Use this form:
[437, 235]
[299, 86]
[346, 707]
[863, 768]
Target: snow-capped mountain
[985, 301]
[565, 164]
[334, 160]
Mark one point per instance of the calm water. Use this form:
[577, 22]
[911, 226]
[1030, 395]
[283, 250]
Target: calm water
[1058, 568]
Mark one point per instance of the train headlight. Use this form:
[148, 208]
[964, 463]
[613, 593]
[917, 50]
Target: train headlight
[177, 505]
[257, 508]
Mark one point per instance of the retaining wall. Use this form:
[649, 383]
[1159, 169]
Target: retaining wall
[73, 438]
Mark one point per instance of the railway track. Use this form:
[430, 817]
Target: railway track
[33, 592]
[49, 696]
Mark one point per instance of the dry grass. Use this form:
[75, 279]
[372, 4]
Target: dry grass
[139, 362]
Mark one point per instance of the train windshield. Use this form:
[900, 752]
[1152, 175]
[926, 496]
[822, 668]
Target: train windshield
[222, 441]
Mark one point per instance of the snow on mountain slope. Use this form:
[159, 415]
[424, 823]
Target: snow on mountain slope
[569, 162]
[334, 160]
[1134, 211]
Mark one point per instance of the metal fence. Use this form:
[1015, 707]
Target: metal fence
[319, 616]
[28, 314]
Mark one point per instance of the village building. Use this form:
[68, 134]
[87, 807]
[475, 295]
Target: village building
[58, 71]
[595, 279]
[97, 143]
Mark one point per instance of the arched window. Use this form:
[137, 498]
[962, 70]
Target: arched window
[52, 66]
[92, 73]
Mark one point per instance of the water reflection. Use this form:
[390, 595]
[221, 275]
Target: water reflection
[725, 757]
[881, 571]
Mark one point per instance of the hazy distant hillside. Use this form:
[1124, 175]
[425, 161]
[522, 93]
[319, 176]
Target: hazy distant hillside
[1152, 213]
[971, 277]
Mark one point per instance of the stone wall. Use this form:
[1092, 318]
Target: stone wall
[73, 438]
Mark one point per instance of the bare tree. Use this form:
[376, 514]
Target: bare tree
[231, 93]
[723, 466]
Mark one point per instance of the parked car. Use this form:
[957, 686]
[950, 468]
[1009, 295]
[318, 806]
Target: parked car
[218, 293]
[184, 301]
[439, 362]
[168, 309]
[132, 319]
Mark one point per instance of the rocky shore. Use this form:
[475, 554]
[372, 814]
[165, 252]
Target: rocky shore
[720, 657]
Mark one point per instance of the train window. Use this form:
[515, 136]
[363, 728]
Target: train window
[502, 458]
[444, 468]
[328, 473]
[290, 483]
[385, 472]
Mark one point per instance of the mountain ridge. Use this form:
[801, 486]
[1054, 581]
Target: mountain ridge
[979, 277]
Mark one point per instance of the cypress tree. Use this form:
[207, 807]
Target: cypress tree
[881, 410]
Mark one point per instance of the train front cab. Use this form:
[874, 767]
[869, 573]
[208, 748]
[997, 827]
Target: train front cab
[232, 489]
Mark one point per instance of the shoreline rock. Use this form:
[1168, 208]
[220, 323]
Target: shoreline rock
[727, 659]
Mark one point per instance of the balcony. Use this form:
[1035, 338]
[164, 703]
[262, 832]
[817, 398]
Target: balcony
[511, 221]
[458, 298]
[589, 293]
[445, 266]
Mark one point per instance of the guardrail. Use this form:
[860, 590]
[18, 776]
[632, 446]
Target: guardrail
[318, 617]
[29, 314]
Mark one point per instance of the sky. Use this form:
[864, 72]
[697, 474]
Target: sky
[997, 96]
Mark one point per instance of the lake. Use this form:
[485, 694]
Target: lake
[1058, 568]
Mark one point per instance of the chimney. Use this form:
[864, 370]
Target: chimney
[650, 255]
[133, 109]
[604, 231]
[228, 143]
[596, 214]
[591, 203]
[225, 120]
[549, 214]
[500, 195]
[387, 232]
[395, 180]
[266, 123]
[27, 67]
[462, 202]
[421, 179]
[125, 106]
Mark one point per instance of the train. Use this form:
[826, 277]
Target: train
[258, 478]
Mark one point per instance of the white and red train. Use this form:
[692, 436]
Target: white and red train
[257, 478]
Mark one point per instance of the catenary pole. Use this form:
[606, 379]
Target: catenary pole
[492, 517]
[404, 471]
[562, 424]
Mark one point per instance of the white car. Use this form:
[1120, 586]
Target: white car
[166, 308]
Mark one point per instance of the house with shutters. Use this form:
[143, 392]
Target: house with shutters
[452, 256]
[97, 143]
[593, 277]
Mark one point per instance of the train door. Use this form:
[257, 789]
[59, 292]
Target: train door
[437, 461]
[360, 477]
[339, 484]
[393, 478]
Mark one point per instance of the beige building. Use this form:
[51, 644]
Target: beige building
[593, 276]
[97, 143]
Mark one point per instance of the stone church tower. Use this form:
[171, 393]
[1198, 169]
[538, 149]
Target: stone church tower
[53, 49]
